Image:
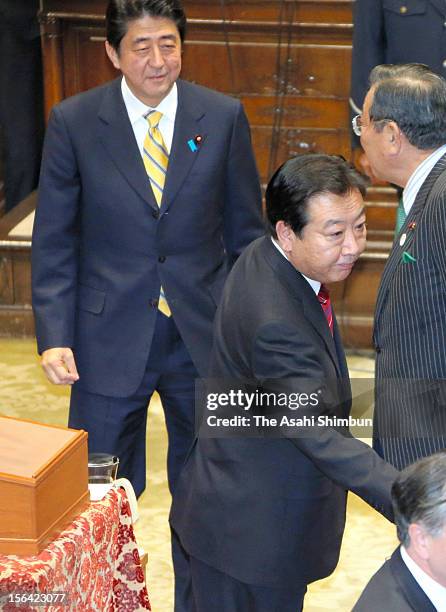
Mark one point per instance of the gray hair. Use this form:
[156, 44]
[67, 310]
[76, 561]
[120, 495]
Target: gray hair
[419, 496]
[415, 98]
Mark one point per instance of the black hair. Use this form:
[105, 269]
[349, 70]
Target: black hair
[299, 179]
[121, 12]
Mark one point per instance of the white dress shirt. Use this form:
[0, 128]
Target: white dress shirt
[434, 590]
[418, 177]
[315, 285]
[137, 109]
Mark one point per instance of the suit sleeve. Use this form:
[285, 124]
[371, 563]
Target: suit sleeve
[243, 200]
[290, 358]
[55, 242]
[369, 50]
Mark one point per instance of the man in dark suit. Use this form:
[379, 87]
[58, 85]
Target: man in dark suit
[394, 32]
[414, 578]
[260, 518]
[403, 132]
[21, 99]
[148, 194]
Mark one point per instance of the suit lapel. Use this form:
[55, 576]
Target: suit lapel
[302, 291]
[396, 253]
[182, 157]
[118, 138]
[413, 593]
[440, 6]
[340, 350]
[315, 315]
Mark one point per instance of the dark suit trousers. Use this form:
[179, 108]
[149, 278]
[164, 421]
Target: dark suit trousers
[118, 425]
[201, 588]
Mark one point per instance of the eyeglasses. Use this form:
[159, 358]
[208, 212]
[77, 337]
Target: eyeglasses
[357, 125]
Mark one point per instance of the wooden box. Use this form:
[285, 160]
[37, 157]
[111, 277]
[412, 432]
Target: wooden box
[43, 483]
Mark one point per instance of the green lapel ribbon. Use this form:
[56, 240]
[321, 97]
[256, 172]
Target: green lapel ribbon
[408, 258]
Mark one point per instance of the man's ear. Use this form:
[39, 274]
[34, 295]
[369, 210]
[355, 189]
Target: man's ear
[112, 55]
[285, 236]
[393, 137]
[419, 541]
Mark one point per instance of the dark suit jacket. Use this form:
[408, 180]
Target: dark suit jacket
[395, 32]
[21, 98]
[393, 588]
[21, 15]
[101, 246]
[272, 511]
[410, 332]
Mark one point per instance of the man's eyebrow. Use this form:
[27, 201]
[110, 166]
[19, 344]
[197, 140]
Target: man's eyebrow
[331, 222]
[142, 39]
[334, 222]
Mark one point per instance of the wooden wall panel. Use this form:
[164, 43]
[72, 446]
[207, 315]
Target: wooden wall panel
[2, 175]
[303, 112]
[252, 68]
[293, 141]
[6, 281]
[15, 274]
[316, 11]
[86, 63]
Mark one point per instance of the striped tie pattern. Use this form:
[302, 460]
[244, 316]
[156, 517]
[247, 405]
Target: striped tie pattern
[400, 216]
[156, 160]
[324, 300]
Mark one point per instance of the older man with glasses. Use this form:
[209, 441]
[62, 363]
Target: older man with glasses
[403, 132]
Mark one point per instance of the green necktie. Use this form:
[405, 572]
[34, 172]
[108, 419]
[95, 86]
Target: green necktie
[400, 216]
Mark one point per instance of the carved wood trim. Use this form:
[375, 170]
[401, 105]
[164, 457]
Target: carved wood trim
[60, 16]
[53, 74]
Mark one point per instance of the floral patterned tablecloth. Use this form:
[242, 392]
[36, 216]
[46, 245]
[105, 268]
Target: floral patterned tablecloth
[95, 562]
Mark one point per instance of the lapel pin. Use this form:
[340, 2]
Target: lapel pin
[403, 239]
[412, 225]
[194, 143]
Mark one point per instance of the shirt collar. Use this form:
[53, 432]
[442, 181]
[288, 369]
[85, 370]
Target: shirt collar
[418, 177]
[137, 109]
[435, 591]
[315, 285]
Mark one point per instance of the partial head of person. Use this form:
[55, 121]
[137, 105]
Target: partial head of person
[403, 119]
[315, 211]
[419, 502]
[144, 42]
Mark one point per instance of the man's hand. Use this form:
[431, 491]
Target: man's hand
[59, 366]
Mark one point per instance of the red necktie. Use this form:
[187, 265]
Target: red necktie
[324, 300]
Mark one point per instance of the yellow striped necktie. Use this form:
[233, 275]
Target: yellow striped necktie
[156, 160]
